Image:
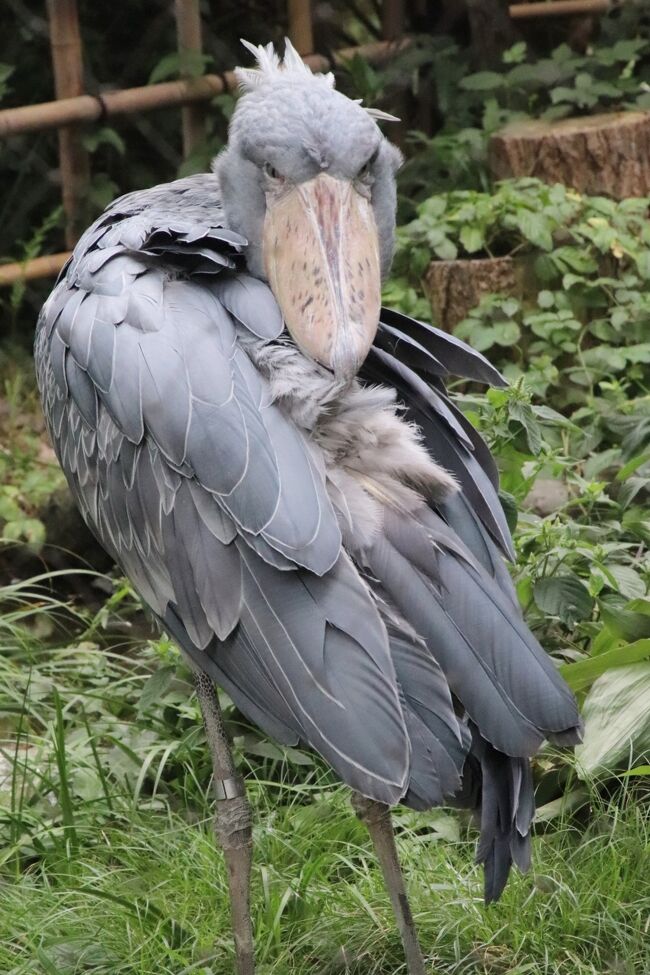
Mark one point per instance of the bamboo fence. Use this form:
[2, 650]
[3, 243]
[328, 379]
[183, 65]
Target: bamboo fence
[73, 107]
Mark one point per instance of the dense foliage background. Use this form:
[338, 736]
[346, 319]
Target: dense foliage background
[104, 774]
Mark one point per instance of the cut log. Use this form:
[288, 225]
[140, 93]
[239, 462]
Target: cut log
[455, 287]
[599, 154]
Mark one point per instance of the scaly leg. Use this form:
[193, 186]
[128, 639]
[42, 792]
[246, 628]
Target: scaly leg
[376, 817]
[232, 823]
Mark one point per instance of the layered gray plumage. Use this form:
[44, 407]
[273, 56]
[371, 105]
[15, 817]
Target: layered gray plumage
[329, 551]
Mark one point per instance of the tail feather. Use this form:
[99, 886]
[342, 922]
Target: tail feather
[507, 805]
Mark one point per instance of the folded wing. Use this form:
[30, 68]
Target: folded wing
[204, 492]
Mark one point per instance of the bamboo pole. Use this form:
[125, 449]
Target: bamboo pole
[188, 28]
[561, 8]
[301, 30]
[392, 26]
[90, 108]
[67, 62]
[392, 19]
[38, 267]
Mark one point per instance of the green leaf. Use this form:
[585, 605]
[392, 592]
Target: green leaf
[155, 687]
[523, 413]
[564, 596]
[367, 82]
[510, 307]
[605, 358]
[630, 621]
[190, 63]
[639, 770]
[167, 67]
[481, 338]
[252, 745]
[483, 81]
[104, 136]
[472, 239]
[515, 54]
[630, 489]
[638, 353]
[506, 333]
[535, 229]
[632, 465]
[297, 757]
[584, 80]
[582, 673]
[545, 299]
[617, 720]
[30, 529]
[629, 581]
[435, 206]
[627, 50]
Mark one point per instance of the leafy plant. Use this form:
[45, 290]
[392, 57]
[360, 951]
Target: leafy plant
[610, 76]
[580, 335]
[520, 216]
[585, 315]
[29, 474]
[583, 567]
[567, 83]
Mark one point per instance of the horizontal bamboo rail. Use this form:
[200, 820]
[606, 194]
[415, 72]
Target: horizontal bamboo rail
[561, 8]
[39, 267]
[91, 108]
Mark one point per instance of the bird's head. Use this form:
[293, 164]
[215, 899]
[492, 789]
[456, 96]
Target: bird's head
[309, 180]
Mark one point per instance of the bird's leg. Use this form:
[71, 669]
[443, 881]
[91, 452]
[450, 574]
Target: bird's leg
[232, 823]
[376, 816]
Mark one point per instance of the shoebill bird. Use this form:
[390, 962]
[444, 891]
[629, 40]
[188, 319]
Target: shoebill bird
[273, 461]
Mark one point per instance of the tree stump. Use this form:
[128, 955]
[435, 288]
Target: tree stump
[455, 287]
[599, 154]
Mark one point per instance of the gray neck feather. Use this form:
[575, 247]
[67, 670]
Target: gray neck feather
[372, 457]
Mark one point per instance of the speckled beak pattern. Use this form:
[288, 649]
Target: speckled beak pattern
[321, 256]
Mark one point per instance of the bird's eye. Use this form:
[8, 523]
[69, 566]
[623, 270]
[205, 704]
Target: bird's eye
[365, 170]
[271, 171]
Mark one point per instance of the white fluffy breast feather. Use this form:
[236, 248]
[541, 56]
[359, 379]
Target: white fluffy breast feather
[373, 458]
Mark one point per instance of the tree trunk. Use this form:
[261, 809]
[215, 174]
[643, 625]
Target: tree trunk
[455, 287]
[492, 31]
[599, 154]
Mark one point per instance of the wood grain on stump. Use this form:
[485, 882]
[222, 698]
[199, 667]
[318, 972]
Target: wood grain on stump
[599, 154]
[455, 287]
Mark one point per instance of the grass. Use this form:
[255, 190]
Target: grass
[108, 865]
